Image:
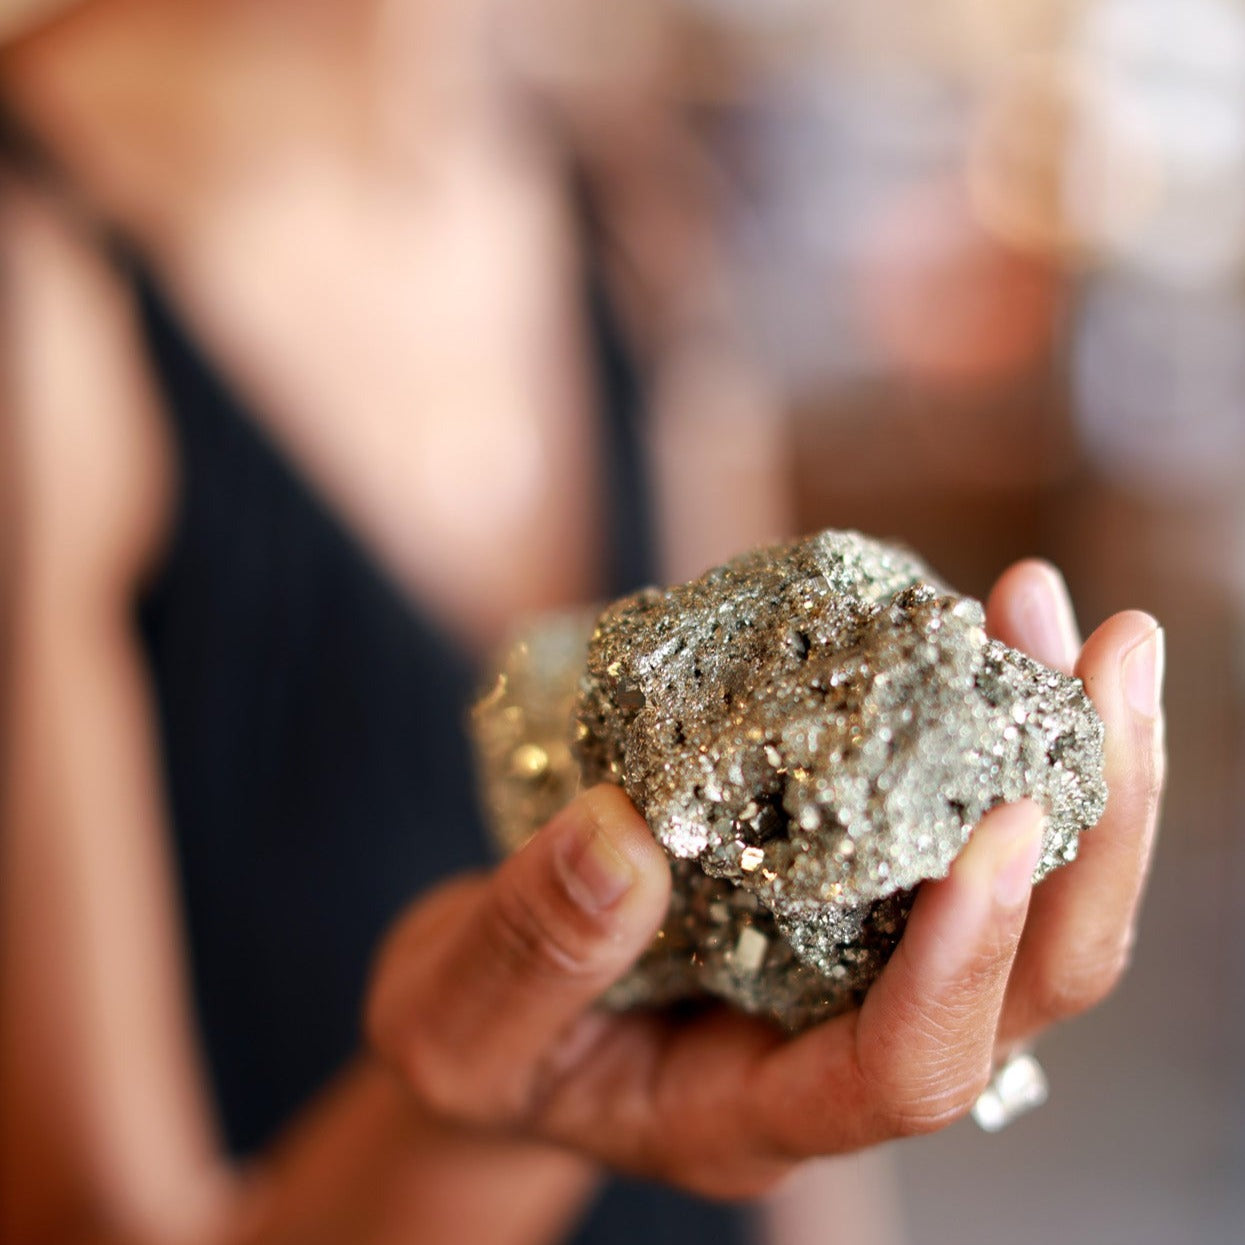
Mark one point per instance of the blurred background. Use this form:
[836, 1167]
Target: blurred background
[985, 261]
[994, 256]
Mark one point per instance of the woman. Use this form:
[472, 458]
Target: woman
[248, 596]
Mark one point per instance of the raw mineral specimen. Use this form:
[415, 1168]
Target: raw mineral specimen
[810, 731]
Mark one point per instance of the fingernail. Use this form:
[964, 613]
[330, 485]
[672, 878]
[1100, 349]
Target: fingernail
[1046, 621]
[1143, 673]
[1003, 853]
[994, 874]
[1019, 857]
[594, 872]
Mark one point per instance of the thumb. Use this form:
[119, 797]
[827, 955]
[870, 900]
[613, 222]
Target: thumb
[522, 955]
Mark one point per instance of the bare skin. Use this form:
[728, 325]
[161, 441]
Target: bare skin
[463, 1131]
[725, 1105]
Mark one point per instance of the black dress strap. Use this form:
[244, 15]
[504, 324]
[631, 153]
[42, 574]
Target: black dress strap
[317, 762]
[312, 727]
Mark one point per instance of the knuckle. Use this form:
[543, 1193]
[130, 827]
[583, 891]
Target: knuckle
[404, 1045]
[385, 1010]
[430, 1078]
[915, 1114]
[914, 1096]
[397, 1029]
[983, 977]
[438, 1079]
[1084, 983]
[530, 938]
[403, 970]
[509, 1102]
[1150, 775]
[1063, 998]
[1144, 778]
[378, 1024]
[1155, 778]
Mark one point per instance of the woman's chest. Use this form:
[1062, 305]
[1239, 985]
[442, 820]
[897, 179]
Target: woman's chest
[419, 352]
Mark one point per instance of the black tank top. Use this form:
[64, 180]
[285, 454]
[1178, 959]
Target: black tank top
[316, 760]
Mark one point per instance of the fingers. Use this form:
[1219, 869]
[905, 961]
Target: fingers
[920, 1049]
[672, 1099]
[1081, 924]
[477, 991]
[1030, 609]
[482, 999]
[725, 1105]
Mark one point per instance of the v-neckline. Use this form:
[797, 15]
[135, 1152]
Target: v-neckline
[628, 544]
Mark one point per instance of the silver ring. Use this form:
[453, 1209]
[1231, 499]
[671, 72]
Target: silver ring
[1018, 1086]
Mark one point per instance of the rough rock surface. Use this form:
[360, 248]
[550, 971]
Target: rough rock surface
[810, 731]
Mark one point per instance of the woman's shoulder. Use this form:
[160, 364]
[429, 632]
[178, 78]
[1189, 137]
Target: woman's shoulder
[94, 476]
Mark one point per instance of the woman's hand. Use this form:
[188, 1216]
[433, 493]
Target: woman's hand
[1079, 933]
[483, 998]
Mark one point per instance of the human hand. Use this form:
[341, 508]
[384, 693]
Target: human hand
[1080, 928]
[483, 997]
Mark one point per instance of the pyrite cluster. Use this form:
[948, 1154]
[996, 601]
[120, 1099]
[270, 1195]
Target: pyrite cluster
[810, 731]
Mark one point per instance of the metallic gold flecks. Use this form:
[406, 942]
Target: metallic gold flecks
[810, 731]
